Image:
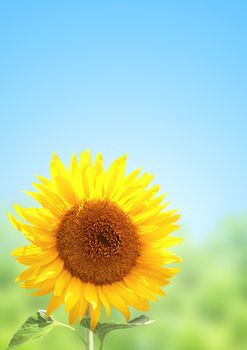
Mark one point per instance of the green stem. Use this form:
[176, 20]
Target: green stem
[89, 337]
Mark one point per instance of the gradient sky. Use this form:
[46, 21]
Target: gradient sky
[164, 81]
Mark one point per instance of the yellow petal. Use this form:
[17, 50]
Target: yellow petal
[31, 255]
[104, 301]
[73, 165]
[98, 165]
[115, 299]
[156, 233]
[61, 177]
[38, 236]
[52, 195]
[30, 273]
[128, 295]
[62, 282]
[83, 304]
[45, 288]
[54, 303]
[114, 176]
[72, 293]
[74, 313]
[36, 216]
[99, 177]
[139, 288]
[91, 294]
[95, 315]
[85, 159]
[51, 270]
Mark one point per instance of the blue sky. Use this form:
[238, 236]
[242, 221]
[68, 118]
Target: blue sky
[163, 81]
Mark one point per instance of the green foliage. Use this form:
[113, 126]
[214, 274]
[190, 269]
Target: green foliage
[103, 329]
[36, 326]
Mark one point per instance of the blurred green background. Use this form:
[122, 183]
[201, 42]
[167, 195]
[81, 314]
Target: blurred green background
[204, 309]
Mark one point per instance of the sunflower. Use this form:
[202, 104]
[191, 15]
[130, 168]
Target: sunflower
[98, 239]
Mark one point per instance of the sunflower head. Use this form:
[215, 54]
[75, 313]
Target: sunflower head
[98, 238]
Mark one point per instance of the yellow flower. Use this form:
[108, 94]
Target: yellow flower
[99, 238]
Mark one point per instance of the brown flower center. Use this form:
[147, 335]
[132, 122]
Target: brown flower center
[98, 242]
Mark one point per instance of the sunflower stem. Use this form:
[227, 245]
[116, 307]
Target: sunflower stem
[89, 336]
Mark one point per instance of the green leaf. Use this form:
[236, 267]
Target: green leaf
[85, 322]
[36, 326]
[103, 329]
